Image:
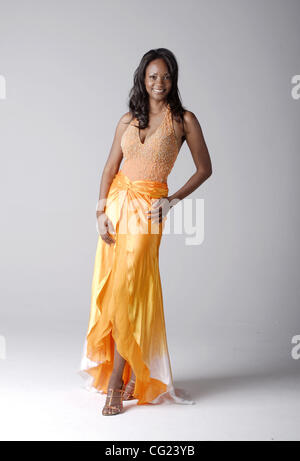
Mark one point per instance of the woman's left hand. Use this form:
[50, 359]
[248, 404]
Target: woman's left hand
[160, 209]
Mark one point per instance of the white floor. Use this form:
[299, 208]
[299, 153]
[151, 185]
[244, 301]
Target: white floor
[42, 398]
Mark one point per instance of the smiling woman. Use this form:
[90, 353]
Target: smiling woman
[126, 353]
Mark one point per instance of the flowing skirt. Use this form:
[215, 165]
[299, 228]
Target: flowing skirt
[126, 300]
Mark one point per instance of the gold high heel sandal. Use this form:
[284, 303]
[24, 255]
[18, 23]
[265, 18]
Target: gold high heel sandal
[117, 408]
[129, 389]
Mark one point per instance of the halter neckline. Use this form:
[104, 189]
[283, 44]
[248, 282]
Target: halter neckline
[157, 129]
[154, 158]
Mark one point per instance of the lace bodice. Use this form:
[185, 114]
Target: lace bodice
[155, 157]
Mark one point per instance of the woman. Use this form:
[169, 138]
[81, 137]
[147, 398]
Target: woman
[125, 353]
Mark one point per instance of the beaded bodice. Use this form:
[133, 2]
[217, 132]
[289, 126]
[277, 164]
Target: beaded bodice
[155, 157]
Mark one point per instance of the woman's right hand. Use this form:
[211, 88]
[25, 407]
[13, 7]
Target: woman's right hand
[105, 228]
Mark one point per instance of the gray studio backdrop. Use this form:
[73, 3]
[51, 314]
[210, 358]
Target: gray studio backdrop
[231, 303]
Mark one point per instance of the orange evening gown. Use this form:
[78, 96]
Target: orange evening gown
[126, 300]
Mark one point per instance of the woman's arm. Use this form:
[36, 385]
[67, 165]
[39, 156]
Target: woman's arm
[112, 164]
[104, 225]
[200, 154]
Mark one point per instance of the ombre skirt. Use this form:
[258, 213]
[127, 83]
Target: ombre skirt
[127, 301]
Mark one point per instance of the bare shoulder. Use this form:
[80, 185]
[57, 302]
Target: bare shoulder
[190, 120]
[123, 122]
[125, 119]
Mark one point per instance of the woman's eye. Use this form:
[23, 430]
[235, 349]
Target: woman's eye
[166, 77]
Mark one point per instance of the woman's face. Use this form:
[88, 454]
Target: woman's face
[158, 79]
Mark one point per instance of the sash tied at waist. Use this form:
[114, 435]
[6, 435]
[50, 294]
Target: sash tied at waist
[155, 189]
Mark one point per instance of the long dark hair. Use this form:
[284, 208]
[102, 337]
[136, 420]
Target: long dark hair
[138, 96]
